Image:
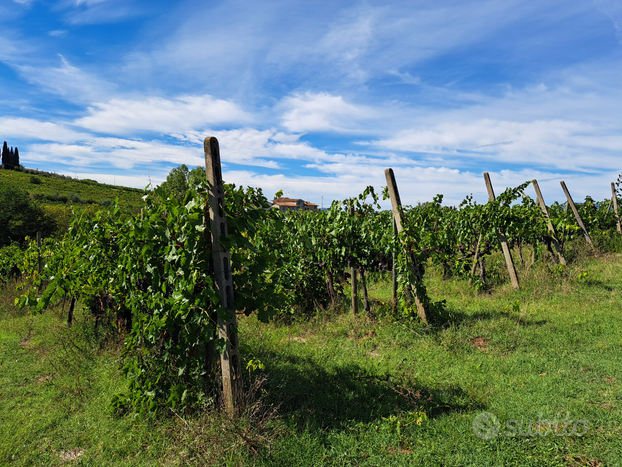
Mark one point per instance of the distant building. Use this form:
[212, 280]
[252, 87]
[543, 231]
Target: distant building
[290, 204]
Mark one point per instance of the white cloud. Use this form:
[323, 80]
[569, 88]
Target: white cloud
[28, 128]
[249, 146]
[120, 153]
[138, 180]
[67, 154]
[420, 184]
[557, 143]
[322, 112]
[175, 115]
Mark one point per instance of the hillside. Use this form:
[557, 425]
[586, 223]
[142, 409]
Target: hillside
[53, 189]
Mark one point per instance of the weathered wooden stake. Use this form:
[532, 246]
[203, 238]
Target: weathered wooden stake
[475, 260]
[576, 214]
[541, 203]
[504, 243]
[353, 281]
[40, 261]
[227, 325]
[396, 204]
[394, 271]
[614, 198]
[365, 296]
[72, 304]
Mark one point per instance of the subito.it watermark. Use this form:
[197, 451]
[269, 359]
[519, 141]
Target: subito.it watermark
[487, 426]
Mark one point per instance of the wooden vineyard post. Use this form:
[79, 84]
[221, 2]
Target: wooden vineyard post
[353, 279]
[227, 326]
[576, 213]
[475, 260]
[394, 269]
[540, 201]
[72, 304]
[39, 260]
[396, 204]
[614, 199]
[504, 243]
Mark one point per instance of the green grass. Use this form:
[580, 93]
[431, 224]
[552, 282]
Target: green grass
[55, 387]
[350, 391]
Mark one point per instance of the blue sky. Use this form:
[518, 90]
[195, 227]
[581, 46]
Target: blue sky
[317, 98]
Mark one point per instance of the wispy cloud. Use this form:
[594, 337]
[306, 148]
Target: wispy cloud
[67, 81]
[613, 9]
[83, 12]
[406, 78]
[11, 49]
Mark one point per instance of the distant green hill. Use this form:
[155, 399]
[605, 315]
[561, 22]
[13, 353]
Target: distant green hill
[61, 197]
[53, 189]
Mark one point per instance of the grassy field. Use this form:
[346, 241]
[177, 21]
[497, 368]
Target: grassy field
[545, 363]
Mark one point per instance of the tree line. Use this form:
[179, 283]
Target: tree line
[10, 157]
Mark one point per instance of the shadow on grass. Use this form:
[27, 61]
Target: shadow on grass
[314, 396]
[456, 317]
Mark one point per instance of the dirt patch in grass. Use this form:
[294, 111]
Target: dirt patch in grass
[70, 455]
[297, 339]
[582, 461]
[44, 378]
[480, 343]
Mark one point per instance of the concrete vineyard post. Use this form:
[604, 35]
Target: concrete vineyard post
[227, 326]
[614, 199]
[504, 243]
[396, 204]
[540, 202]
[576, 213]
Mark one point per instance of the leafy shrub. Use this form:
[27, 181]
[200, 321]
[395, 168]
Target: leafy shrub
[20, 217]
[74, 198]
[11, 258]
[57, 198]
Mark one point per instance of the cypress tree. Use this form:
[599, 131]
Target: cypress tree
[16, 160]
[5, 155]
[11, 158]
